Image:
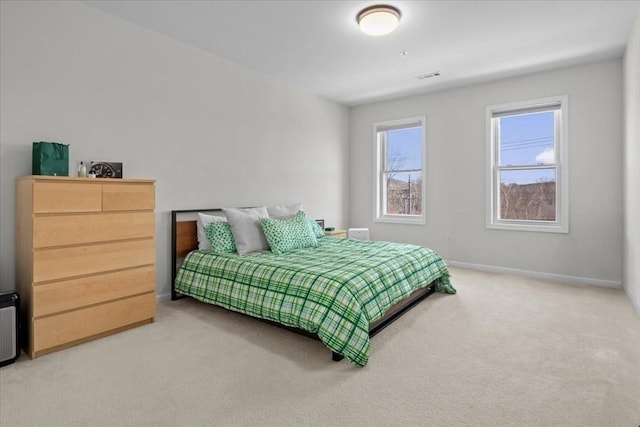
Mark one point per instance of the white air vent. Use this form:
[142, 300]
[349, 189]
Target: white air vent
[428, 75]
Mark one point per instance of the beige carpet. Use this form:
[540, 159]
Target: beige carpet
[504, 351]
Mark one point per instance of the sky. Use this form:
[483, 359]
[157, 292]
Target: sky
[526, 139]
[405, 152]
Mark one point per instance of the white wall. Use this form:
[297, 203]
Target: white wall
[210, 132]
[591, 252]
[632, 167]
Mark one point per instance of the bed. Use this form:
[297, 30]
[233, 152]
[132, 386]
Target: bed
[343, 291]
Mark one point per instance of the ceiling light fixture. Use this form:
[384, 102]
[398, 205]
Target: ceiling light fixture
[378, 20]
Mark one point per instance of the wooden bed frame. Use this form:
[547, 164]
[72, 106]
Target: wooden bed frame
[184, 239]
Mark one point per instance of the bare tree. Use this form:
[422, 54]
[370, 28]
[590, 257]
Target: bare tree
[403, 197]
[536, 201]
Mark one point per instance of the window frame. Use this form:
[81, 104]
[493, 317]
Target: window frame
[560, 105]
[380, 196]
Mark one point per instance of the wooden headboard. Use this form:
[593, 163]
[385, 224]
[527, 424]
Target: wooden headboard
[186, 238]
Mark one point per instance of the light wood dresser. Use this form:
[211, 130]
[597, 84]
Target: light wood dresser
[85, 258]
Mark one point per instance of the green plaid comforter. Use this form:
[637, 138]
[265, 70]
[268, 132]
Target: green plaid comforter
[334, 290]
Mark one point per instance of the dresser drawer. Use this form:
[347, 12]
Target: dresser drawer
[130, 197]
[54, 197]
[61, 230]
[61, 263]
[86, 322]
[67, 295]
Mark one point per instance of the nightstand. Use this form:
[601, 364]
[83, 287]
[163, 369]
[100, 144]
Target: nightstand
[338, 234]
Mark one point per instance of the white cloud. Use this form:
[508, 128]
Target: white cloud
[546, 157]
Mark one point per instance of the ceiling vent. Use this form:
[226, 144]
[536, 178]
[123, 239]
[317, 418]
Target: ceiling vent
[428, 75]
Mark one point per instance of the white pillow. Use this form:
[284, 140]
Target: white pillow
[246, 229]
[201, 223]
[282, 211]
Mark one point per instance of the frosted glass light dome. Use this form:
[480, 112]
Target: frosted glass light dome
[378, 20]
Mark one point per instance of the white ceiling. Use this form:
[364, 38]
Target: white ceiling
[316, 45]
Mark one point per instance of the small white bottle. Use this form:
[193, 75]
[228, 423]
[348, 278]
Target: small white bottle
[82, 170]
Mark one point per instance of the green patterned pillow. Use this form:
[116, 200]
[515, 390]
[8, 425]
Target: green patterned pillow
[315, 227]
[285, 235]
[220, 237]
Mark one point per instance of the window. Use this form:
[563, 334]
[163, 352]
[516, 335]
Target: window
[527, 173]
[400, 159]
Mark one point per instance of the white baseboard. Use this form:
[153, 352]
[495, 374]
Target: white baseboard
[634, 304]
[539, 275]
[163, 297]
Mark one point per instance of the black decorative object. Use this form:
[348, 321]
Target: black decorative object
[106, 169]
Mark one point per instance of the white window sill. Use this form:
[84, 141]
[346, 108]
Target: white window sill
[540, 228]
[401, 220]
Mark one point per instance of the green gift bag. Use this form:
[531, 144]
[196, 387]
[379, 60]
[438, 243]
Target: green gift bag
[50, 158]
